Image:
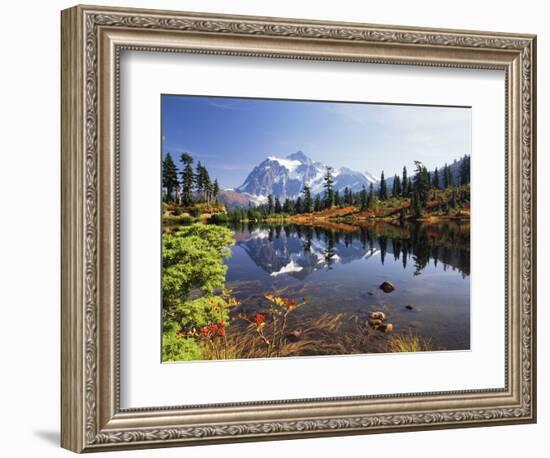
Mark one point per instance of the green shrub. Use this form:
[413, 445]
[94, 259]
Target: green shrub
[195, 212]
[193, 258]
[180, 348]
[177, 211]
[219, 218]
[186, 219]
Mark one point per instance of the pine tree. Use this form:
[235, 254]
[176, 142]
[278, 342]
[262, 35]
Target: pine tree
[308, 200]
[452, 202]
[287, 206]
[421, 183]
[396, 186]
[187, 179]
[278, 207]
[329, 188]
[363, 198]
[337, 200]
[270, 205]
[250, 213]
[370, 197]
[436, 179]
[383, 191]
[199, 180]
[447, 178]
[298, 205]
[416, 205]
[207, 184]
[216, 189]
[318, 204]
[348, 196]
[405, 183]
[169, 177]
[465, 170]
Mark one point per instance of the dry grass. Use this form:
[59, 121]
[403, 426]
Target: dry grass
[323, 335]
[409, 343]
[318, 336]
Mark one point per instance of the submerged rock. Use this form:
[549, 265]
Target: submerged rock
[409, 307]
[370, 293]
[377, 316]
[387, 287]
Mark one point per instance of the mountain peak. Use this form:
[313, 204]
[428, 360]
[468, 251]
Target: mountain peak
[299, 156]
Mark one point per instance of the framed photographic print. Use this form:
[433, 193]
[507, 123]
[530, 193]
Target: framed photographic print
[278, 228]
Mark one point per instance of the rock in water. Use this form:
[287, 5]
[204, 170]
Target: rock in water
[387, 328]
[375, 323]
[387, 287]
[409, 307]
[377, 316]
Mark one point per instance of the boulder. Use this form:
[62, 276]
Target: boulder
[387, 287]
[387, 328]
[375, 323]
[409, 307]
[377, 316]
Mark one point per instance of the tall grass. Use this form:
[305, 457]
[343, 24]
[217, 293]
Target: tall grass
[323, 335]
[409, 343]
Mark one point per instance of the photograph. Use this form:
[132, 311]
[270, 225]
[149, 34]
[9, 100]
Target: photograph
[270, 223]
[298, 228]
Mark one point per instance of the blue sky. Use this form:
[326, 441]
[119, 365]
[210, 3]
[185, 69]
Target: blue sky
[232, 135]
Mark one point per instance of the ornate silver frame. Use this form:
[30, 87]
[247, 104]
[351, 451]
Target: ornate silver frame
[92, 39]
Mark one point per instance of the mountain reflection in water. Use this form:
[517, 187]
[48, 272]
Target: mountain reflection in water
[338, 268]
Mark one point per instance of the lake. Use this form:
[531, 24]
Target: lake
[338, 269]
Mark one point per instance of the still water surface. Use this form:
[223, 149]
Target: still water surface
[339, 268]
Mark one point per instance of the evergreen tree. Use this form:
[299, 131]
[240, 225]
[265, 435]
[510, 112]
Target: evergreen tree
[370, 198]
[250, 213]
[421, 183]
[216, 189]
[337, 200]
[169, 177]
[187, 179]
[270, 205]
[308, 200]
[405, 183]
[452, 202]
[199, 180]
[278, 207]
[298, 208]
[383, 191]
[416, 205]
[465, 170]
[318, 204]
[208, 187]
[436, 179]
[396, 186]
[329, 188]
[447, 178]
[288, 206]
[348, 196]
[363, 198]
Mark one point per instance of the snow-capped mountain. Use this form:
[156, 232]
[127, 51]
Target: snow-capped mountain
[286, 177]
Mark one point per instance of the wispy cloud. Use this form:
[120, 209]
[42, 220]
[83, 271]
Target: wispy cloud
[223, 105]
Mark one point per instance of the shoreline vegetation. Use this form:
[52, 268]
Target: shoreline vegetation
[202, 320]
